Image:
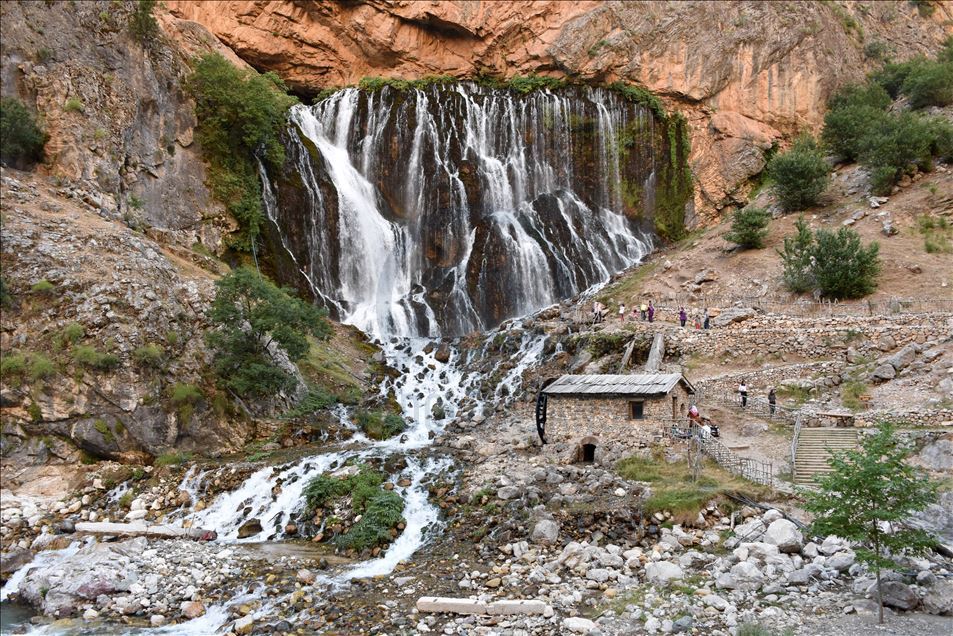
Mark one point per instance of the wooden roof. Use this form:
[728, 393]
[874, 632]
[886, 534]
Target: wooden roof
[632, 384]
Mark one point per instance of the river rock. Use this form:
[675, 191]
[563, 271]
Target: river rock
[192, 609]
[898, 595]
[841, 561]
[745, 576]
[578, 625]
[939, 600]
[306, 576]
[249, 529]
[508, 492]
[243, 625]
[785, 535]
[13, 560]
[545, 532]
[663, 572]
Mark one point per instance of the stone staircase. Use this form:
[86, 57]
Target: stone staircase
[811, 457]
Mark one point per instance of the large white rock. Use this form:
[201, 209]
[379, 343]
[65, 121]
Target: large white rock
[662, 572]
[751, 531]
[785, 535]
[579, 625]
[545, 532]
[746, 576]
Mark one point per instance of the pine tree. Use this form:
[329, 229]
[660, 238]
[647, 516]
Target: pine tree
[749, 227]
[797, 258]
[800, 175]
[868, 496]
[843, 267]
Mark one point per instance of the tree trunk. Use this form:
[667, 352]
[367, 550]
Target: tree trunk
[880, 599]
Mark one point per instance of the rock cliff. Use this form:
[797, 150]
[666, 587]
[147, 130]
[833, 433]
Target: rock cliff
[746, 73]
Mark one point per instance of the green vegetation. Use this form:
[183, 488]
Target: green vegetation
[172, 459]
[103, 429]
[70, 335]
[43, 287]
[379, 425]
[326, 368]
[380, 509]
[676, 190]
[15, 368]
[868, 496]
[91, 358]
[21, 140]
[674, 490]
[859, 127]
[240, 114]
[749, 227]
[183, 397]
[800, 175]
[836, 263]
[149, 355]
[252, 315]
[937, 234]
[74, 105]
[797, 258]
[142, 24]
[843, 267]
[6, 298]
[315, 400]
[377, 83]
[851, 393]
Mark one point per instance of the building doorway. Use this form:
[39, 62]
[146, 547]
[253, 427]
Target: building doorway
[586, 451]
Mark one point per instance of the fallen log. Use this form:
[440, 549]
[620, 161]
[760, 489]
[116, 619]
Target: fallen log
[436, 604]
[142, 529]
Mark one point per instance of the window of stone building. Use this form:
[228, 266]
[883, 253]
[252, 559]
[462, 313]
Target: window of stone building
[637, 410]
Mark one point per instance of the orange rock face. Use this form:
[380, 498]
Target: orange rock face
[766, 68]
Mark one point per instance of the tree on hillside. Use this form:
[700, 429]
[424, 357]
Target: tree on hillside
[867, 498]
[252, 316]
[21, 140]
[800, 175]
[843, 267]
[797, 258]
[749, 227]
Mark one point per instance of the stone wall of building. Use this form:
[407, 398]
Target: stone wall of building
[606, 422]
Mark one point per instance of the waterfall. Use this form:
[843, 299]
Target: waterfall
[447, 209]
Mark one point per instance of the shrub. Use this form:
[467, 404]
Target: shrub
[892, 76]
[149, 355]
[70, 335]
[867, 94]
[876, 50]
[74, 105]
[900, 143]
[91, 358]
[843, 267]
[316, 399]
[852, 111]
[929, 84]
[800, 175]
[937, 233]
[41, 367]
[378, 425]
[183, 397]
[13, 367]
[383, 512]
[851, 393]
[251, 314]
[6, 298]
[240, 114]
[42, 286]
[142, 24]
[21, 140]
[749, 227]
[172, 458]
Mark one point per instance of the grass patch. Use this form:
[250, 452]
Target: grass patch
[172, 459]
[184, 397]
[325, 366]
[674, 491]
[70, 335]
[91, 358]
[851, 393]
[149, 355]
[797, 394]
[629, 287]
[937, 234]
[379, 425]
[43, 287]
[74, 105]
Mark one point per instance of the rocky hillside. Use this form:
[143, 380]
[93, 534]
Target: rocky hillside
[745, 73]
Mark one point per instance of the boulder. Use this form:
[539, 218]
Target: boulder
[508, 492]
[751, 531]
[249, 529]
[735, 314]
[545, 532]
[578, 625]
[898, 595]
[785, 535]
[902, 359]
[663, 572]
[883, 372]
[841, 561]
[939, 600]
[745, 576]
[13, 560]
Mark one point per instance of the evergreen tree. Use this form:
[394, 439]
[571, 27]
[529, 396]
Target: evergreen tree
[252, 315]
[797, 258]
[749, 227]
[842, 266]
[21, 140]
[800, 175]
[867, 498]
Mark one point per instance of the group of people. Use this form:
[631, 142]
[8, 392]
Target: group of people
[645, 312]
[772, 396]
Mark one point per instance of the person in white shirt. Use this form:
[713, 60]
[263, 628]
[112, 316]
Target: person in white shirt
[743, 392]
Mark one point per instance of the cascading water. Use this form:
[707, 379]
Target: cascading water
[445, 210]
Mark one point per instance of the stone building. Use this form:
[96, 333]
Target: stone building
[594, 418]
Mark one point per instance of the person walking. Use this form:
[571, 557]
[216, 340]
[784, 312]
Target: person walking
[706, 321]
[772, 400]
[642, 311]
[635, 313]
[682, 316]
[743, 392]
[651, 312]
[621, 312]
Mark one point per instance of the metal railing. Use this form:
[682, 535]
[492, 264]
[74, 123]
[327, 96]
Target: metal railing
[751, 469]
[794, 441]
[756, 406]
